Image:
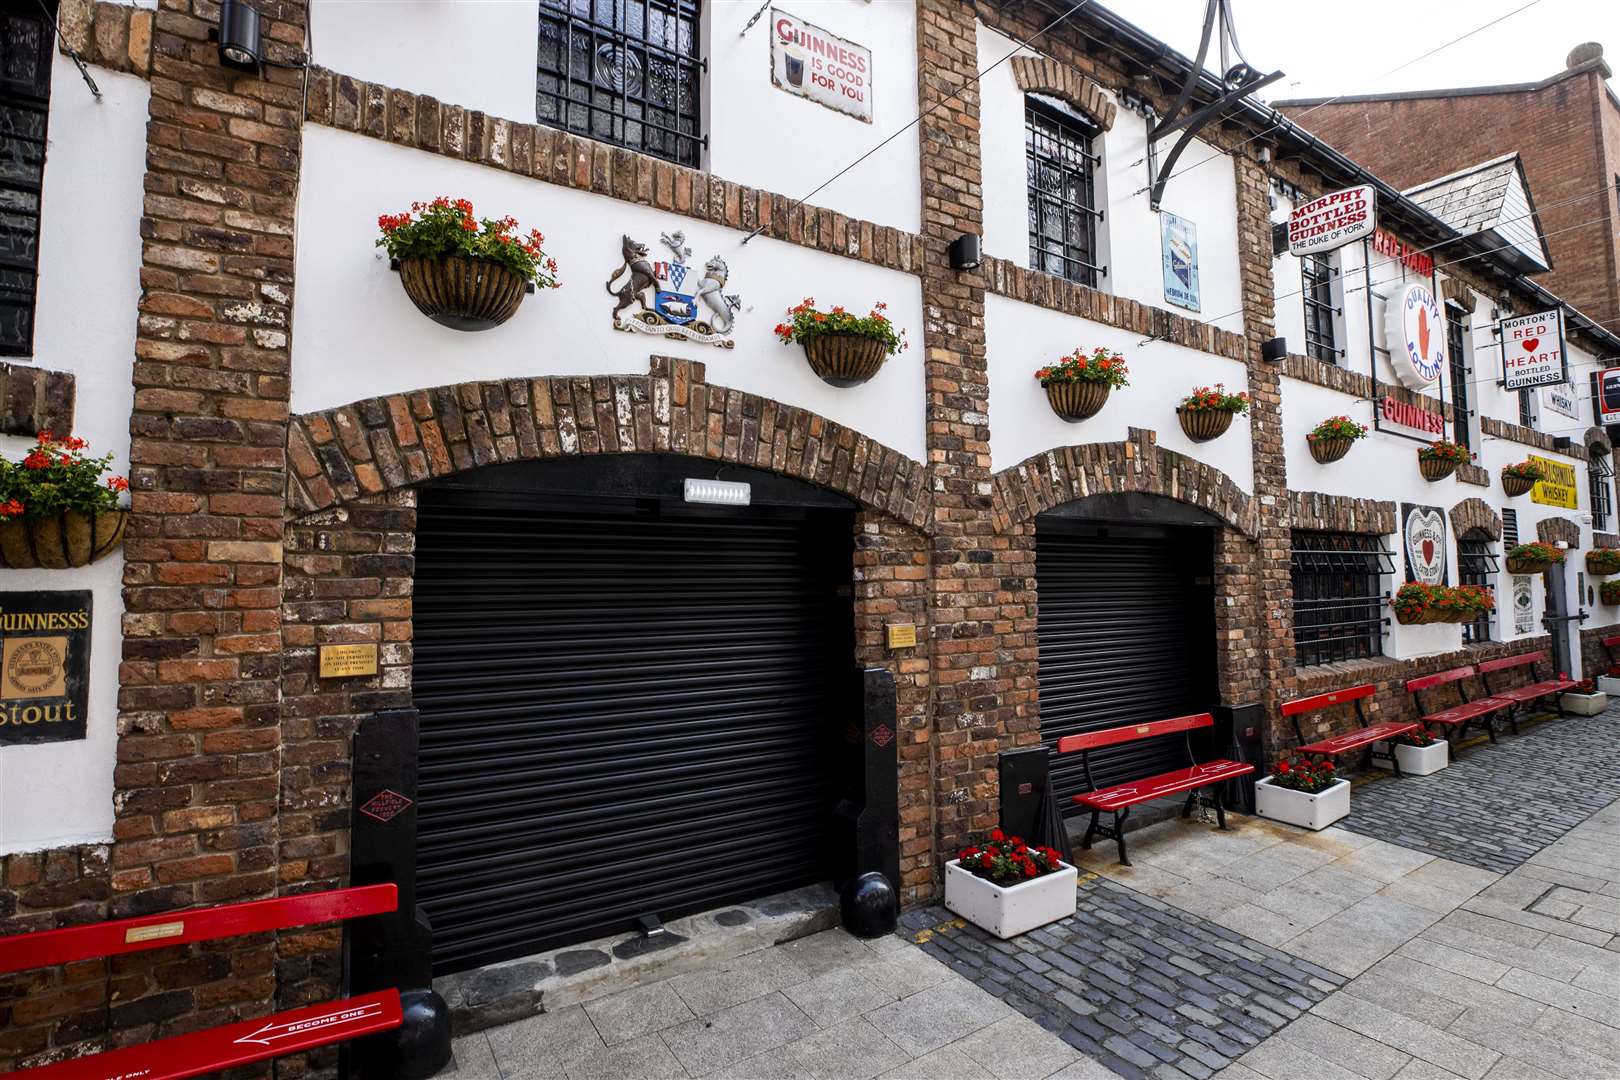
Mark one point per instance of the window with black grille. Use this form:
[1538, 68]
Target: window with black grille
[25, 92]
[1457, 352]
[1321, 339]
[1061, 171]
[1599, 478]
[1339, 595]
[1526, 417]
[625, 72]
[1476, 565]
[1510, 528]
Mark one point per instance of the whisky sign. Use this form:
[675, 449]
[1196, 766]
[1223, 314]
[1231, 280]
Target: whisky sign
[1558, 486]
[44, 666]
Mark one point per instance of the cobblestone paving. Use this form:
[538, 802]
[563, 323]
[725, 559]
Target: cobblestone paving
[1497, 805]
[1143, 987]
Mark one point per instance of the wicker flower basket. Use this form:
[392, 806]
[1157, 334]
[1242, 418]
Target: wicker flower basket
[845, 359]
[1526, 566]
[57, 543]
[1597, 566]
[1326, 451]
[462, 293]
[1201, 425]
[1515, 486]
[1434, 468]
[1075, 401]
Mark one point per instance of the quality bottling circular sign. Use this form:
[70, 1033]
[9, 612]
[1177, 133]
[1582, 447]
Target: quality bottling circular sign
[1426, 545]
[1417, 336]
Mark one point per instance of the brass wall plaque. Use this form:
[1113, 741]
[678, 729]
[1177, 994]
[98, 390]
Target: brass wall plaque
[154, 932]
[44, 665]
[902, 635]
[345, 661]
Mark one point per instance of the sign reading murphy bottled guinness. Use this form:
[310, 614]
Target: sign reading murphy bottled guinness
[44, 666]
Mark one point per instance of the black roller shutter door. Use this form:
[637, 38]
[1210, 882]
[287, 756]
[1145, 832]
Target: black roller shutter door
[621, 713]
[1120, 643]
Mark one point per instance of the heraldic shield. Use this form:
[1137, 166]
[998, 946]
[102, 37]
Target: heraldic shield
[686, 302]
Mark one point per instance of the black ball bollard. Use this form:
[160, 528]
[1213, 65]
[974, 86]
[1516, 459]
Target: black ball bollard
[868, 906]
[415, 1050]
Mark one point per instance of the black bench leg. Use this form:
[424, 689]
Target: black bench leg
[1489, 720]
[1192, 800]
[1091, 830]
[1513, 719]
[1119, 834]
[1558, 703]
[1220, 808]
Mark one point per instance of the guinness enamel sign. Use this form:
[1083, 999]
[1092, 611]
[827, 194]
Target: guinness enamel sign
[44, 666]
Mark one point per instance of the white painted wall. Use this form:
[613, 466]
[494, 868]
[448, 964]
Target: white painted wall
[1021, 338]
[355, 334]
[1205, 194]
[481, 54]
[89, 281]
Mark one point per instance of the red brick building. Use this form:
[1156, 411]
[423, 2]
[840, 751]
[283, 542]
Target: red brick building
[1566, 128]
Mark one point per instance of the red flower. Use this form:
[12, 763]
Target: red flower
[117, 483]
[997, 834]
[37, 459]
[10, 508]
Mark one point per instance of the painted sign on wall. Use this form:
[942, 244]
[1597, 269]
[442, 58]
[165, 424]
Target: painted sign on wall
[44, 665]
[1178, 239]
[1524, 605]
[1332, 221]
[1417, 336]
[1533, 350]
[1412, 419]
[1423, 529]
[808, 61]
[1420, 263]
[1558, 489]
[1560, 398]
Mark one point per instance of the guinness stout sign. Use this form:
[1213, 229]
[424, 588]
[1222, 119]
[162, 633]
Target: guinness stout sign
[44, 666]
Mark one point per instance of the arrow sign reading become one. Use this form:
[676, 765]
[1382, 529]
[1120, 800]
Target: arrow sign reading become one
[270, 1032]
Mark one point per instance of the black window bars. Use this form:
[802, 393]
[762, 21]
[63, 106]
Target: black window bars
[1061, 172]
[625, 72]
[25, 91]
[1476, 565]
[1321, 337]
[1339, 595]
[1456, 348]
[1598, 476]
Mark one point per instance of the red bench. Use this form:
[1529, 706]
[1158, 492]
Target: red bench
[1456, 718]
[1536, 689]
[1364, 735]
[1121, 797]
[235, 1044]
[1609, 644]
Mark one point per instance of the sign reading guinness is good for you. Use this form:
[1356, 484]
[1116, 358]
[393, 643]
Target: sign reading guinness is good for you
[44, 666]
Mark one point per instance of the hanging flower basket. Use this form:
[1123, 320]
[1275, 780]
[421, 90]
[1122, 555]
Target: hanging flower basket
[845, 359]
[1603, 562]
[463, 294]
[1532, 558]
[1440, 459]
[1207, 412]
[844, 349]
[460, 271]
[60, 542]
[1326, 451]
[1076, 401]
[1514, 486]
[1434, 469]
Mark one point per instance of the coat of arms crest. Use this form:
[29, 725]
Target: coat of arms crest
[686, 302]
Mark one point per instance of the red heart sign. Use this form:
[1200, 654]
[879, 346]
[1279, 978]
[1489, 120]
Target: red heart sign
[1423, 332]
[1428, 551]
[1531, 344]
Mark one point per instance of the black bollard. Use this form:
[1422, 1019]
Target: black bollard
[869, 906]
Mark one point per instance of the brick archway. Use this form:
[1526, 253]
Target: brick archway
[1042, 75]
[1597, 442]
[1475, 514]
[1553, 529]
[385, 444]
[1136, 464]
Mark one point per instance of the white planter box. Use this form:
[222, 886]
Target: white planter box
[1609, 684]
[1585, 704]
[1414, 760]
[1009, 911]
[1308, 811]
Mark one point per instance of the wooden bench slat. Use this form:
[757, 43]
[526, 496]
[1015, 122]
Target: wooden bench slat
[1612, 640]
[1468, 710]
[1440, 678]
[1503, 663]
[1322, 701]
[1354, 740]
[1169, 783]
[1091, 740]
[234, 1044]
[1523, 694]
[68, 944]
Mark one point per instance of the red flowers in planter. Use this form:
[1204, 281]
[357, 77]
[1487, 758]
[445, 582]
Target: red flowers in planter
[1303, 775]
[1007, 860]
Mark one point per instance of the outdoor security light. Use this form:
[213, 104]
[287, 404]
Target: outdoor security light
[238, 35]
[1273, 350]
[718, 492]
[965, 252]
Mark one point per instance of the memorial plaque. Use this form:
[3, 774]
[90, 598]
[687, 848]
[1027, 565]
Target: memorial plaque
[902, 635]
[44, 666]
[346, 661]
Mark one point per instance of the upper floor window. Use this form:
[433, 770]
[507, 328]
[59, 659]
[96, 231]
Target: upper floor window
[1321, 313]
[1599, 475]
[1063, 212]
[25, 91]
[625, 72]
[1457, 354]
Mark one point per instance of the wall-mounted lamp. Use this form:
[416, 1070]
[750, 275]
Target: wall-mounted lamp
[1273, 350]
[964, 252]
[718, 492]
[238, 35]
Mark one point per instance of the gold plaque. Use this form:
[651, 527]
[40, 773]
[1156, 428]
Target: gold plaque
[34, 667]
[154, 932]
[344, 661]
[902, 635]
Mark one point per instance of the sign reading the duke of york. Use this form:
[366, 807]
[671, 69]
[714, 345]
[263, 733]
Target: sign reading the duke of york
[1533, 350]
[1332, 221]
[809, 62]
[1558, 489]
[44, 666]
[1424, 532]
[1417, 336]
